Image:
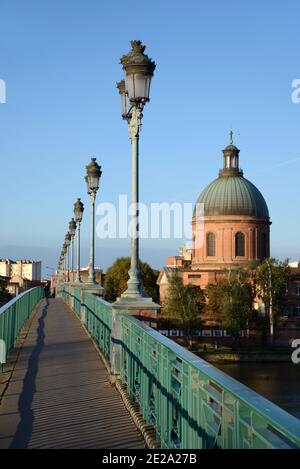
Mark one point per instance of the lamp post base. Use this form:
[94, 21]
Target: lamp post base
[77, 282]
[93, 288]
[142, 307]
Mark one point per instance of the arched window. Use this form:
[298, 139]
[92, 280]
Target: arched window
[211, 244]
[239, 244]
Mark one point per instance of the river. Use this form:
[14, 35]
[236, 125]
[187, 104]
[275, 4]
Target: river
[278, 382]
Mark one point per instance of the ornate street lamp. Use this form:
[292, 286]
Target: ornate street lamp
[78, 212]
[135, 93]
[92, 179]
[68, 243]
[72, 231]
[64, 251]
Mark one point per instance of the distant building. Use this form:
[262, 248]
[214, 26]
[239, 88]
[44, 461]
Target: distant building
[24, 269]
[21, 274]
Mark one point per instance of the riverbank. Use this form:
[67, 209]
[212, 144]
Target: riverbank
[244, 356]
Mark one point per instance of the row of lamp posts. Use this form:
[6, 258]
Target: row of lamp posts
[134, 90]
[66, 259]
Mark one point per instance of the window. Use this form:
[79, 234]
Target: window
[211, 244]
[239, 244]
[297, 288]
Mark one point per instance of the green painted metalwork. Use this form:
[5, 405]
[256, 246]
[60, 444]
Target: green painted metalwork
[72, 296]
[98, 321]
[14, 314]
[97, 315]
[77, 300]
[191, 403]
[65, 294]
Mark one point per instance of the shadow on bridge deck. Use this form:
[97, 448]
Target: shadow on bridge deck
[59, 395]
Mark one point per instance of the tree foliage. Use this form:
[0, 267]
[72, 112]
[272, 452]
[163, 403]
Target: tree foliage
[237, 303]
[270, 278]
[117, 276]
[214, 306]
[232, 300]
[5, 296]
[183, 304]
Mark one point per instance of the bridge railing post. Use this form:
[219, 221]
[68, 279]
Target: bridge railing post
[96, 290]
[115, 348]
[144, 310]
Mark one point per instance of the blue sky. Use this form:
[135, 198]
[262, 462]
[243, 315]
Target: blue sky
[219, 64]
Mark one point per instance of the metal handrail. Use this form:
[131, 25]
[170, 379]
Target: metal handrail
[14, 314]
[189, 402]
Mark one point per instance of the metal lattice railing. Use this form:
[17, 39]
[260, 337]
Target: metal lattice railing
[94, 312]
[190, 403]
[98, 321]
[14, 314]
[77, 300]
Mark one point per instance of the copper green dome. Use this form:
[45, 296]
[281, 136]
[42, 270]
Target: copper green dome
[231, 193]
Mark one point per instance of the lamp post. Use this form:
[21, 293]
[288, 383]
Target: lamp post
[60, 265]
[135, 92]
[59, 272]
[92, 179]
[78, 212]
[271, 316]
[64, 250]
[68, 243]
[72, 231]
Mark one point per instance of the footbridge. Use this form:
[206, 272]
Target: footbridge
[78, 373]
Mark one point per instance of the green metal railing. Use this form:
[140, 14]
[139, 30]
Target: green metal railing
[98, 321]
[66, 295]
[190, 403]
[77, 300]
[97, 315]
[72, 296]
[14, 314]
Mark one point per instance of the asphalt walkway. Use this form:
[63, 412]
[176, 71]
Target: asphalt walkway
[59, 395]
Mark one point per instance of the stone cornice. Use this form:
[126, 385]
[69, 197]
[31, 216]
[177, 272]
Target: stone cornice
[235, 220]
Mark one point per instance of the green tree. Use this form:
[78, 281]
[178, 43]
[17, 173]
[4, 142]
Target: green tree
[270, 278]
[183, 304]
[237, 302]
[5, 296]
[231, 302]
[214, 305]
[117, 276]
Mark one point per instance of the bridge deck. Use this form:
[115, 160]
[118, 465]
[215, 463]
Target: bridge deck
[59, 395]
